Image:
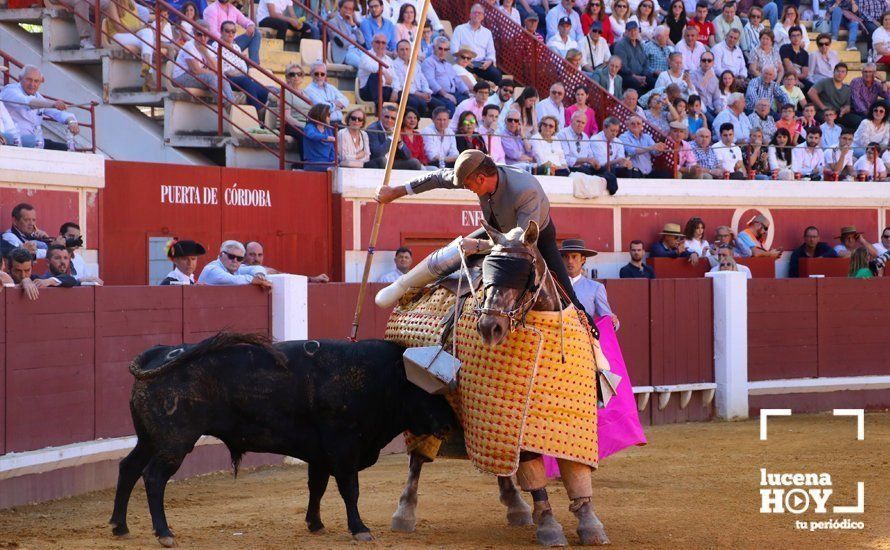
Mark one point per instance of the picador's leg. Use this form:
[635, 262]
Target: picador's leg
[518, 510]
[532, 477]
[576, 478]
[550, 251]
[318, 483]
[405, 518]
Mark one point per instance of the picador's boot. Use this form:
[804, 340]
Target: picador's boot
[590, 528]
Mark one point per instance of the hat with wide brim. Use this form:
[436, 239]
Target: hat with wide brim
[181, 249]
[576, 245]
[848, 230]
[468, 161]
[466, 51]
[672, 229]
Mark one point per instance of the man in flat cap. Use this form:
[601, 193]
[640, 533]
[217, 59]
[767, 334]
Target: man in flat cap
[591, 294]
[184, 255]
[509, 197]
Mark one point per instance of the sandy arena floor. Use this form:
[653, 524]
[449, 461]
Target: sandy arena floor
[693, 486]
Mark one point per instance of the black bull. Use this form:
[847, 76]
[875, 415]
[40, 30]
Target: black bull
[333, 404]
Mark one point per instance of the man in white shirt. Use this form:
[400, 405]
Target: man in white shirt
[228, 268]
[439, 143]
[728, 57]
[734, 114]
[200, 61]
[609, 159]
[553, 105]
[594, 49]
[562, 42]
[403, 260]
[729, 156]
[27, 107]
[488, 131]
[420, 96]
[504, 95]
[560, 11]
[576, 147]
[676, 74]
[321, 91]
[479, 39]
[691, 48]
[808, 159]
[839, 157]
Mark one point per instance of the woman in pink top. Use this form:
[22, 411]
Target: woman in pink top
[581, 95]
[406, 27]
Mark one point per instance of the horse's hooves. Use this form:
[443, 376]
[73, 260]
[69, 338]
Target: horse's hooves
[517, 519]
[316, 529]
[120, 530]
[167, 542]
[549, 532]
[364, 536]
[403, 525]
[593, 537]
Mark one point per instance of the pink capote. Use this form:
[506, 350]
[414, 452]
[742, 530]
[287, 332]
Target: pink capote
[618, 425]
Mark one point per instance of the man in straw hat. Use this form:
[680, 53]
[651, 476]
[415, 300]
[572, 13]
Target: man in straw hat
[508, 196]
[671, 244]
[754, 237]
[851, 239]
[184, 255]
[590, 293]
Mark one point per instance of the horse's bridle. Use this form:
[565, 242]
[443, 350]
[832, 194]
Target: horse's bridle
[527, 297]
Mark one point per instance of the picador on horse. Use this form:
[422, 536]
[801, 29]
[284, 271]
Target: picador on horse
[527, 384]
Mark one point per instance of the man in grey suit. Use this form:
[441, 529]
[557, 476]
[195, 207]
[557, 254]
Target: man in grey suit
[608, 77]
[508, 196]
[591, 294]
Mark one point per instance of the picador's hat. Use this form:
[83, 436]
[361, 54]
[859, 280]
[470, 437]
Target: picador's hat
[466, 164]
[181, 249]
[576, 245]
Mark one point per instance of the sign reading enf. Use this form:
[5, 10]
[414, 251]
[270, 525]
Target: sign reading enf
[232, 196]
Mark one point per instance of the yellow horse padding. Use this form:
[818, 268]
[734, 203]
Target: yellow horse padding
[519, 395]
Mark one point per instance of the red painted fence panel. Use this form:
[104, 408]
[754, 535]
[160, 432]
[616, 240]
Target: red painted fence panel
[678, 268]
[629, 299]
[828, 267]
[782, 328]
[129, 320]
[853, 323]
[210, 309]
[49, 368]
[332, 308]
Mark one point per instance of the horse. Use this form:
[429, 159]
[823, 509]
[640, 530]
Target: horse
[504, 307]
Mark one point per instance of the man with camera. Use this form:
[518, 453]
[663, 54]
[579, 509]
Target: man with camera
[24, 233]
[70, 237]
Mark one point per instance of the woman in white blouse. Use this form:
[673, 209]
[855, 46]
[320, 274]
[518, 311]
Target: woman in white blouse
[695, 238]
[875, 128]
[645, 17]
[549, 156]
[619, 18]
[790, 18]
[353, 148]
[509, 9]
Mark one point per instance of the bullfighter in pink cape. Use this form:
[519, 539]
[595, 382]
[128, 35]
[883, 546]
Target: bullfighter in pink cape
[618, 423]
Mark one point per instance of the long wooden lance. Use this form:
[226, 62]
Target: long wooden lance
[378, 216]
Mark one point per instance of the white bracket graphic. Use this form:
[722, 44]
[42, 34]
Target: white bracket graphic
[765, 414]
[860, 502]
[860, 420]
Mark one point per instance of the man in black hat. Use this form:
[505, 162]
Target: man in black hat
[184, 255]
[590, 293]
[508, 196]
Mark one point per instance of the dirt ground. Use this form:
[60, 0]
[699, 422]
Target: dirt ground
[693, 486]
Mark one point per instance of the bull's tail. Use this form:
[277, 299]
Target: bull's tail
[220, 342]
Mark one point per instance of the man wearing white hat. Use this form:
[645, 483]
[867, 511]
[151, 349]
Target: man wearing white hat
[671, 244]
[590, 293]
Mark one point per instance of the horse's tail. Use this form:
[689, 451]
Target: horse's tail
[219, 342]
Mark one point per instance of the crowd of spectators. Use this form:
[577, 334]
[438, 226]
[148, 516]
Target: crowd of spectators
[690, 243]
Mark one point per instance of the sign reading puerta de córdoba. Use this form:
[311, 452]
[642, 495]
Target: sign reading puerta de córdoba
[210, 196]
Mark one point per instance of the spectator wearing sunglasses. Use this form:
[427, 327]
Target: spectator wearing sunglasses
[553, 105]
[448, 88]
[467, 136]
[380, 138]
[474, 104]
[370, 72]
[235, 68]
[576, 146]
[229, 269]
[823, 60]
[195, 65]
[549, 156]
[353, 147]
[321, 91]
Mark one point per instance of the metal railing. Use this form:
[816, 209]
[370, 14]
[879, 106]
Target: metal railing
[531, 62]
[217, 102]
[10, 62]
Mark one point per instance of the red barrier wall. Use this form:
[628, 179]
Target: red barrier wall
[332, 309]
[817, 327]
[67, 353]
[289, 212]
